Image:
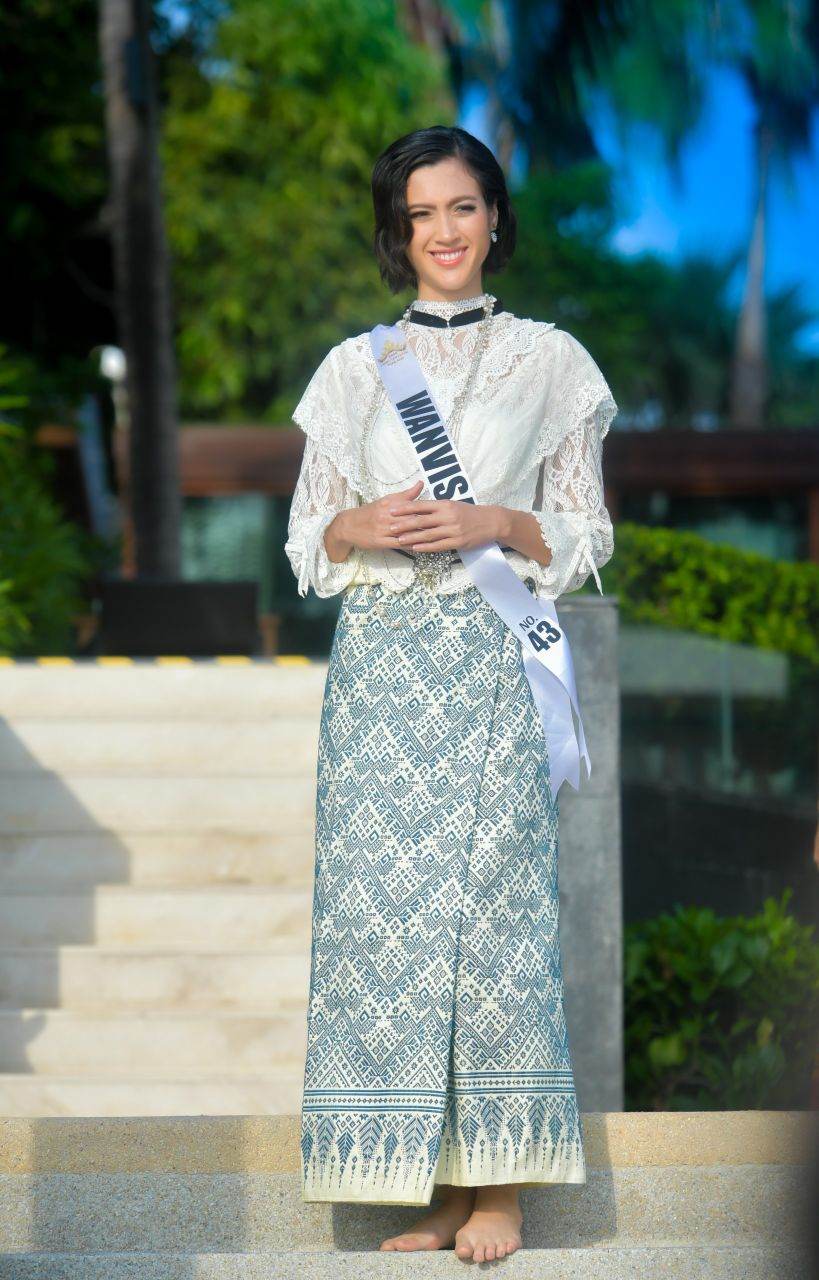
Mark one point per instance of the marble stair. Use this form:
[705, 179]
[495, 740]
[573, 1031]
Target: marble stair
[156, 849]
[156, 860]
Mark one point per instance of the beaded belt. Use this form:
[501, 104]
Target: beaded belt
[434, 567]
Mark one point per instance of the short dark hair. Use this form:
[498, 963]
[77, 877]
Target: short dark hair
[393, 225]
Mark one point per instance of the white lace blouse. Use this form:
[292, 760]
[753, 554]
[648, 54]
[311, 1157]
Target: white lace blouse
[530, 438]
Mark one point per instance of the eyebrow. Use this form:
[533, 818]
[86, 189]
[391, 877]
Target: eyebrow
[417, 204]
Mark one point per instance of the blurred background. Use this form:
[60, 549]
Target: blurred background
[187, 230]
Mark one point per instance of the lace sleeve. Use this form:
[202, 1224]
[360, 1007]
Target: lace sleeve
[569, 503]
[324, 486]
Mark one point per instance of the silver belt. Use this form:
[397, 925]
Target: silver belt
[434, 567]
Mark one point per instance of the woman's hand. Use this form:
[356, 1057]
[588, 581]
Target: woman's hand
[367, 526]
[441, 524]
[400, 521]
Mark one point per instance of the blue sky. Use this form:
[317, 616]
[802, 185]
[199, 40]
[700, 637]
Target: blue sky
[709, 209]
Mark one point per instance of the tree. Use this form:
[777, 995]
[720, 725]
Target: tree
[142, 276]
[54, 253]
[539, 60]
[658, 77]
[269, 142]
[775, 46]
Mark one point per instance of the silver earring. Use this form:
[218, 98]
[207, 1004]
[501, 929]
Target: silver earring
[493, 235]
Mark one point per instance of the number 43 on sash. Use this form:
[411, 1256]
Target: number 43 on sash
[542, 634]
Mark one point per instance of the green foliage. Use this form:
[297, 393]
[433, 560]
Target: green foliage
[720, 1012]
[674, 578]
[268, 148]
[54, 251]
[637, 316]
[43, 557]
[663, 332]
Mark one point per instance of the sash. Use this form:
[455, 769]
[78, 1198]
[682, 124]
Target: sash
[547, 658]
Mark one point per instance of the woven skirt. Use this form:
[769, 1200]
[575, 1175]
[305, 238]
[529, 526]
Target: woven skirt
[437, 1050]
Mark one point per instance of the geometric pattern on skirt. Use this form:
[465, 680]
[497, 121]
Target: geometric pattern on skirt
[437, 1049]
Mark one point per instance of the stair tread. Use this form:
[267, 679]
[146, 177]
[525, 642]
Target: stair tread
[279, 947]
[599, 1246]
[166, 1014]
[143, 890]
[612, 1262]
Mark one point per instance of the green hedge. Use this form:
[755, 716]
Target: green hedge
[678, 579]
[720, 1012]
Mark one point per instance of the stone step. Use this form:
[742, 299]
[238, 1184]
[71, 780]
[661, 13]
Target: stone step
[275, 1093]
[195, 691]
[221, 917]
[50, 802]
[731, 1181]
[61, 860]
[646, 1262]
[168, 1043]
[219, 748]
[110, 980]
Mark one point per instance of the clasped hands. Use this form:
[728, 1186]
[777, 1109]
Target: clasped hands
[400, 521]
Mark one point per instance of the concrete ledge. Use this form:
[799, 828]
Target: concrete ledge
[269, 1144]
[656, 1261]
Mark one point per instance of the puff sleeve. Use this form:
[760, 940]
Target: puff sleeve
[569, 503]
[326, 481]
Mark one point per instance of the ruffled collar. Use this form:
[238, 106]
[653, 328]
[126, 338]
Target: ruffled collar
[449, 309]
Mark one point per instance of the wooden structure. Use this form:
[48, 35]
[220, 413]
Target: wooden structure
[248, 458]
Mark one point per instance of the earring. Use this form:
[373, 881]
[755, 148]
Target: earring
[493, 235]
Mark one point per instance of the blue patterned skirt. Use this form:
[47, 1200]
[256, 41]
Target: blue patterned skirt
[437, 1047]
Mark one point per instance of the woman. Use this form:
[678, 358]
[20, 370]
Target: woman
[438, 1060]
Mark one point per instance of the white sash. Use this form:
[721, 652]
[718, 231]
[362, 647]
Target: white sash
[547, 657]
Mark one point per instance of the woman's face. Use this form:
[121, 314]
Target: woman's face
[451, 223]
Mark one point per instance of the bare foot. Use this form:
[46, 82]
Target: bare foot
[493, 1229]
[436, 1230]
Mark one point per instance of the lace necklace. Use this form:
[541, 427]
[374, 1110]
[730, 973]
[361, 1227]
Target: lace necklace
[431, 566]
[448, 315]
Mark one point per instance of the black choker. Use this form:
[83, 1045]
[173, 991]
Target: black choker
[460, 317]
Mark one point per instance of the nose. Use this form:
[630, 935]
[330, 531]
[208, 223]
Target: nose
[445, 230]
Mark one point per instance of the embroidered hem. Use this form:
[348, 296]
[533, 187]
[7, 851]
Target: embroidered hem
[377, 1155]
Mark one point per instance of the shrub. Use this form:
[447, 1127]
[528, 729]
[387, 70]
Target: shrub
[679, 579]
[44, 558]
[720, 1012]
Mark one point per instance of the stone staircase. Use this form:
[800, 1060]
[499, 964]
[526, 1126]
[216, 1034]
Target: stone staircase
[156, 859]
[669, 1196]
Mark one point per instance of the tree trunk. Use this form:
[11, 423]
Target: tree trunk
[142, 281]
[749, 370]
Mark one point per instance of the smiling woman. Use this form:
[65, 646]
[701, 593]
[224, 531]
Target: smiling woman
[438, 1060]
